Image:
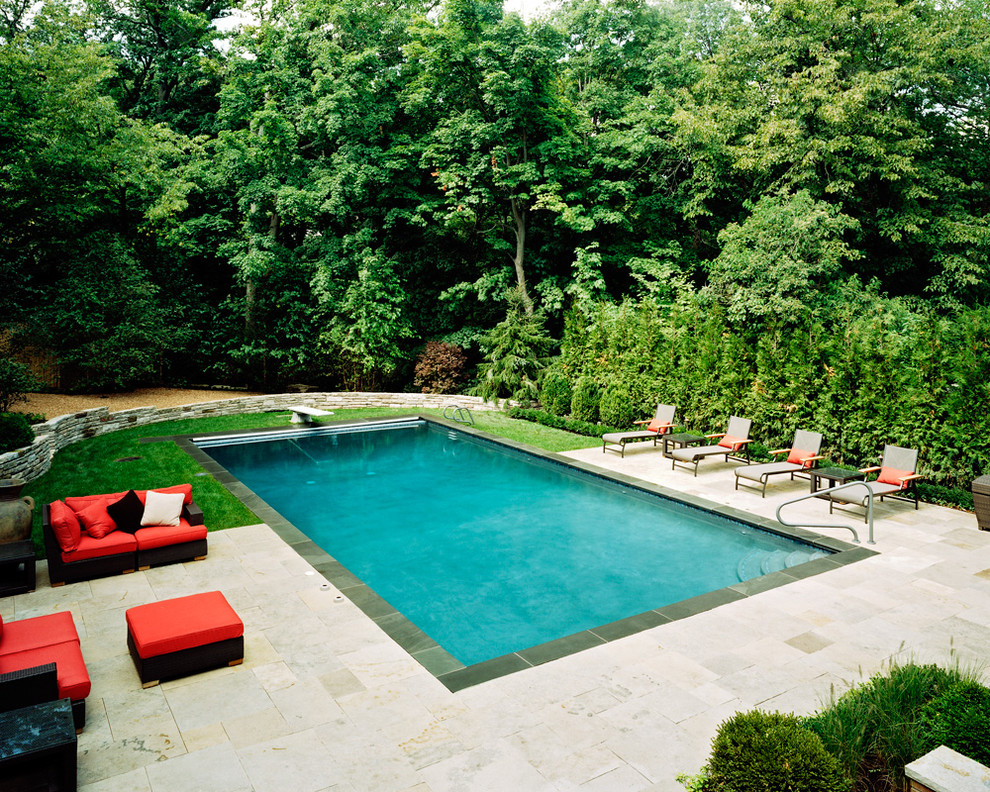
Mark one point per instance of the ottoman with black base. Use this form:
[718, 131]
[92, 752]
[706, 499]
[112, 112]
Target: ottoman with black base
[182, 636]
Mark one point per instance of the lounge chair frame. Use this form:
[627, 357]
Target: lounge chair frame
[810, 442]
[690, 457]
[893, 457]
[617, 440]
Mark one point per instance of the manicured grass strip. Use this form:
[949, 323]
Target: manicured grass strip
[96, 465]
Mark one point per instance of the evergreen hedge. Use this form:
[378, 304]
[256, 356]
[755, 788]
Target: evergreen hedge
[860, 367]
[584, 402]
[15, 432]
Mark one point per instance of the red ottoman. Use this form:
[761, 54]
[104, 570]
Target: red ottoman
[176, 637]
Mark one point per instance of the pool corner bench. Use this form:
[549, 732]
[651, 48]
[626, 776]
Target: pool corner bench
[76, 551]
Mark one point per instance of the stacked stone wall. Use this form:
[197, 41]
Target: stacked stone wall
[32, 461]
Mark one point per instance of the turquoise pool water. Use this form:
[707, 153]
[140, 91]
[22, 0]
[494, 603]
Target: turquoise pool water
[490, 550]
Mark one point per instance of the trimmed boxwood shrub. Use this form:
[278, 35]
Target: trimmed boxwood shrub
[960, 720]
[15, 432]
[761, 751]
[616, 407]
[555, 393]
[584, 402]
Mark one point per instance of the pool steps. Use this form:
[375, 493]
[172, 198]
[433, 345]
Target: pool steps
[763, 562]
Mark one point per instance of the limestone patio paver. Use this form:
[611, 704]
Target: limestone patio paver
[325, 701]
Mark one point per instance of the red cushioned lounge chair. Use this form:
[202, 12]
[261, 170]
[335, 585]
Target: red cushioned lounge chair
[896, 477]
[655, 429]
[731, 443]
[801, 457]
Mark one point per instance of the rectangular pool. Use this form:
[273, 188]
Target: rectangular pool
[490, 550]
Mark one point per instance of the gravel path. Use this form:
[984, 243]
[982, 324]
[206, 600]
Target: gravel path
[54, 404]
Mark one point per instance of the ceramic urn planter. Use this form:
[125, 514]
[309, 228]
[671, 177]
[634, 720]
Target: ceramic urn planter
[16, 513]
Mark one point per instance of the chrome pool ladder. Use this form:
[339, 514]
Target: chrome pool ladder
[816, 493]
[462, 415]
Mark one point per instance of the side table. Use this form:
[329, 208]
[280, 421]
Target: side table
[833, 476]
[680, 441]
[17, 568]
[38, 746]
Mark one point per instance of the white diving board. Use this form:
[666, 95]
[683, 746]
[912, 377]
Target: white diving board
[304, 415]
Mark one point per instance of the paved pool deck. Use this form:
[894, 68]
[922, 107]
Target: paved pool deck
[327, 701]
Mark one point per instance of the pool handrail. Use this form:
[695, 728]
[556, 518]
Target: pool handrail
[461, 415]
[816, 493]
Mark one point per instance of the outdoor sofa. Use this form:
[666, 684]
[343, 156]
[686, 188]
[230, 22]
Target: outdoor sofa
[41, 660]
[99, 535]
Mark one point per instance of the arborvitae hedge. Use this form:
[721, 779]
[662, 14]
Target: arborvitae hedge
[862, 368]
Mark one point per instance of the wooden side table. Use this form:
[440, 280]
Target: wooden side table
[682, 440]
[833, 477]
[38, 746]
[17, 568]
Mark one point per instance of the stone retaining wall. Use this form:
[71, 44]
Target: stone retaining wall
[32, 461]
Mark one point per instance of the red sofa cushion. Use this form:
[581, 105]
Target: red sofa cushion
[38, 632]
[77, 504]
[111, 544]
[81, 502]
[153, 536]
[70, 668]
[185, 489]
[65, 526]
[96, 520]
[183, 623]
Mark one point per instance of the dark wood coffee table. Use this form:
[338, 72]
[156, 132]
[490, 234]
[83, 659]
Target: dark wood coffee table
[38, 747]
[682, 440]
[834, 477]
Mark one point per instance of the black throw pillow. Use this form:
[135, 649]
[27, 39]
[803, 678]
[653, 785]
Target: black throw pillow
[127, 512]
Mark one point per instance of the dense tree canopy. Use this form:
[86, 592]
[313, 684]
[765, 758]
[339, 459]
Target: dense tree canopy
[318, 195]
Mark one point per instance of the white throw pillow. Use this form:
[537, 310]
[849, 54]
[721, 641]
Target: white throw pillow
[162, 508]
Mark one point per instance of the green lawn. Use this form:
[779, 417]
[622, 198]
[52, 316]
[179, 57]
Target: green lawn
[98, 465]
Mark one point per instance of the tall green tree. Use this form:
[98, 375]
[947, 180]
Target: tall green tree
[169, 66]
[855, 102]
[503, 149]
[80, 183]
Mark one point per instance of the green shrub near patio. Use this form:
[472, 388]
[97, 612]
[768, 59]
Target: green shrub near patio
[860, 741]
[875, 729]
[960, 720]
[616, 408]
[760, 751]
[584, 402]
[555, 393]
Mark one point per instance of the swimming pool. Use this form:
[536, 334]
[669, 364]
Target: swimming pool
[492, 552]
